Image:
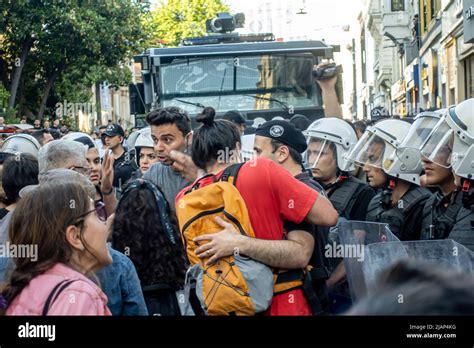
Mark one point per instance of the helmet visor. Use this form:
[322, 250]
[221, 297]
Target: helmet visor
[317, 150]
[371, 150]
[409, 152]
[439, 145]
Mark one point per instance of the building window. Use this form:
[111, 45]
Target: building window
[398, 5]
[469, 66]
[363, 56]
[429, 10]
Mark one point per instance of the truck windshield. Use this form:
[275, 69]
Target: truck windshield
[243, 82]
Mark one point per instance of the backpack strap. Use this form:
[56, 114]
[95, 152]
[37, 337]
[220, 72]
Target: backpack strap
[53, 295]
[157, 287]
[196, 185]
[230, 173]
[303, 277]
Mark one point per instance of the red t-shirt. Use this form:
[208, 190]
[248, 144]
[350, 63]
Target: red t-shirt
[272, 195]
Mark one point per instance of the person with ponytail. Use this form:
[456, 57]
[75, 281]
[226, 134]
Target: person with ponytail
[66, 239]
[272, 195]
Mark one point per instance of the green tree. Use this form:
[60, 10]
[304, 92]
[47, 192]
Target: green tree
[4, 95]
[174, 20]
[20, 23]
[61, 40]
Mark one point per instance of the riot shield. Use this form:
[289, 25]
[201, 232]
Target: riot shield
[381, 249]
[352, 239]
[444, 253]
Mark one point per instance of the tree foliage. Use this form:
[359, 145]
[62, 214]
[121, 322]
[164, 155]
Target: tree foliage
[174, 20]
[4, 95]
[64, 47]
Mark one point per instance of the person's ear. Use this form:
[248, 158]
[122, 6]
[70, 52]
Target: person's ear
[238, 158]
[282, 154]
[73, 237]
[189, 138]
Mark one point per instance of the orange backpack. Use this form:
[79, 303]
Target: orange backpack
[234, 285]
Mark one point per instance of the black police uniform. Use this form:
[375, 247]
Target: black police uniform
[463, 229]
[350, 197]
[320, 272]
[405, 219]
[440, 214]
[124, 168]
[125, 165]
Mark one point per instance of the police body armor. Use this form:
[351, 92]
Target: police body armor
[437, 220]
[463, 229]
[345, 194]
[395, 216]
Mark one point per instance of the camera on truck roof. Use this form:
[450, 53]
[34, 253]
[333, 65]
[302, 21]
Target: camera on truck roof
[225, 22]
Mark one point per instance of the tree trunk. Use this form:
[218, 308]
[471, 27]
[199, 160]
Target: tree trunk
[47, 89]
[25, 49]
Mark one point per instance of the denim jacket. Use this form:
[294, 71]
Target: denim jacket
[120, 283]
[6, 263]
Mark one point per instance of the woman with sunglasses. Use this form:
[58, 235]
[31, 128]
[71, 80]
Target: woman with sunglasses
[70, 234]
[119, 281]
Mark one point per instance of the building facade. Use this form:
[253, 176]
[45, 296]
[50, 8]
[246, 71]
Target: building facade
[420, 59]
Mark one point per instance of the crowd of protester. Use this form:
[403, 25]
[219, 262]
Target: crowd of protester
[171, 220]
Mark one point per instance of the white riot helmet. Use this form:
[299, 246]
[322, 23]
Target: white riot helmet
[21, 143]
[458, 128]
[132, 138]
[409, 152]
[143, 140]
[378, 148]
[74, 136]
[329, 131]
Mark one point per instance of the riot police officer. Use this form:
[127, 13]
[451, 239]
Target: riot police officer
[23, 143]
[401, 200]
[454, 134]
[441, 209]
[329, 141]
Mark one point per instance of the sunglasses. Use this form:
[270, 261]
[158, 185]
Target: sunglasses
[99, 210]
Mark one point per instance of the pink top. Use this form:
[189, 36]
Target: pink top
[81, 297]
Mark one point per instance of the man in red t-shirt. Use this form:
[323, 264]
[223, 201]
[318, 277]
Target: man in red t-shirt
[272, 195]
